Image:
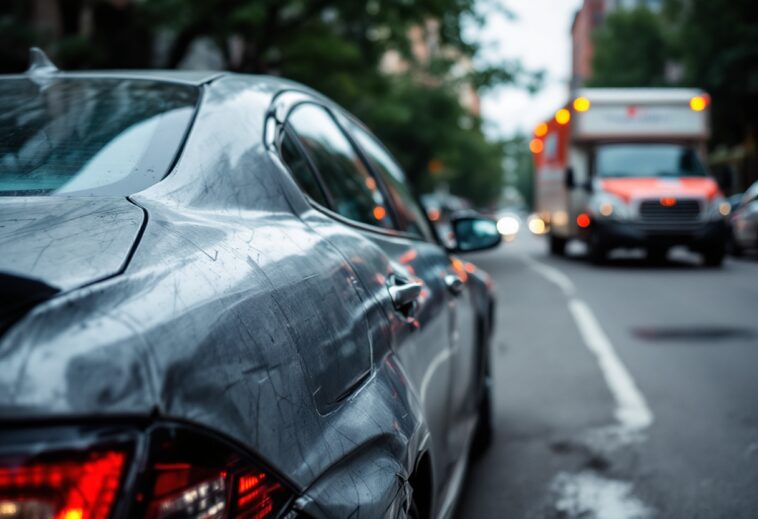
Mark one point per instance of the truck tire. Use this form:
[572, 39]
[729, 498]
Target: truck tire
[657, 255]
[596, 250]
[557, 245]
[714, 258]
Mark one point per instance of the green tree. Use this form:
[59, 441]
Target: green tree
[630, 50]
[717, 42]
[334, 46]
[522, 166]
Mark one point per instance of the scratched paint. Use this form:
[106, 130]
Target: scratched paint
[222, 298]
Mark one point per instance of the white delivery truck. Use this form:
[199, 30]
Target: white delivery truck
[625, 168]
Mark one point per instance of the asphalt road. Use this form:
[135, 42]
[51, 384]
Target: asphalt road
[621, 391]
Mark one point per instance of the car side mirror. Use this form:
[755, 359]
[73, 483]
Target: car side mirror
[475, 233]
[570, 182]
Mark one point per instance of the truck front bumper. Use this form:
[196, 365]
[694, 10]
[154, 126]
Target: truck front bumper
[699, 236]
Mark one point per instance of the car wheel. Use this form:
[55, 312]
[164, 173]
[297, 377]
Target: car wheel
[485, 424]
[413, 512]
[557, 245]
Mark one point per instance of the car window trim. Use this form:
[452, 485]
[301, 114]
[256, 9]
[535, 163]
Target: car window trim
[288, 131]
[392, 233]
[382, 188]
[377, 176]
[395, 214]
[280, 112]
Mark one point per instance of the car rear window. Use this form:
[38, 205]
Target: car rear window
[89, 137]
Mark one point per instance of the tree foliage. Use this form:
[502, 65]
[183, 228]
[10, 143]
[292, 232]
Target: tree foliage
[714, 41]
[630, 50]
[717, 42]
[334, 46]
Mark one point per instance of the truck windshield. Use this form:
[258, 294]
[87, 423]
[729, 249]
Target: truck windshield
[647, 160]
[89, 137]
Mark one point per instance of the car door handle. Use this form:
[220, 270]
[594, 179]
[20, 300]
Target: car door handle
[405, 294]
[454, 284]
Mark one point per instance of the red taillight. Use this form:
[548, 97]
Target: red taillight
[583, 220]
[181, 490]
[211, 482]
[255, 495]
[80, 488]
[178, 473]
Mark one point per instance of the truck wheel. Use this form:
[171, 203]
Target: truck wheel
[657, 255]
[596, 250]
[714, 258]
[557, 245]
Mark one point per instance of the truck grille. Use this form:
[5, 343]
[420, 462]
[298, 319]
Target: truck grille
[682, 211]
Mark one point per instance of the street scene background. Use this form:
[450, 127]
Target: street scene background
[622, 390]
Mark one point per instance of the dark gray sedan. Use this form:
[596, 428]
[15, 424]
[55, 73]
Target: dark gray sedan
[219, 299]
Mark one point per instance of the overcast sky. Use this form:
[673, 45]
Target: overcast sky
[539, 36]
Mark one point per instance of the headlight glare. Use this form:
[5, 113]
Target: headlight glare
[719, 208]
[606, 205]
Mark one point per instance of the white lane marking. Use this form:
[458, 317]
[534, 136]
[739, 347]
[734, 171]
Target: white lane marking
[591, 496]
[632, 410]
[553, 275]
[586, 494]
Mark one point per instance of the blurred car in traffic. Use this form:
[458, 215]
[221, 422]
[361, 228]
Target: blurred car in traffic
[624, 167]
[220, 300]
[744, 222]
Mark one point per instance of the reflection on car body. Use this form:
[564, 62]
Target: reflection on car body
[254, 312]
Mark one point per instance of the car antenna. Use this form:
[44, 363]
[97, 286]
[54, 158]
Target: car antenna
[39, 63]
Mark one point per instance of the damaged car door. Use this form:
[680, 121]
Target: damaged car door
[395, 259]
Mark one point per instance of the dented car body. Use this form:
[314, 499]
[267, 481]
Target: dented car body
[218, 331]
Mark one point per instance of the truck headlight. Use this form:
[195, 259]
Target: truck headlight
[607, 206]
[719, 208]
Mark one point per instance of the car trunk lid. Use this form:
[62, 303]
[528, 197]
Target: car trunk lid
[65, 242]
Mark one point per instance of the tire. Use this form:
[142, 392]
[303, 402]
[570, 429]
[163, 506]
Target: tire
[413, 512]
[657, 255]
[714, 258]
[596, 250]
[557, 245]
[485, 428]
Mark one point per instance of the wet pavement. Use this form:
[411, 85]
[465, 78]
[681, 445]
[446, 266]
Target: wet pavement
[628, 390]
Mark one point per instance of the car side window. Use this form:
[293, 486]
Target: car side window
[411, 218]
[293, 157]
[351, 187]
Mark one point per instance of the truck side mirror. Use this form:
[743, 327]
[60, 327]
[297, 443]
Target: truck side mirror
[570, 178]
